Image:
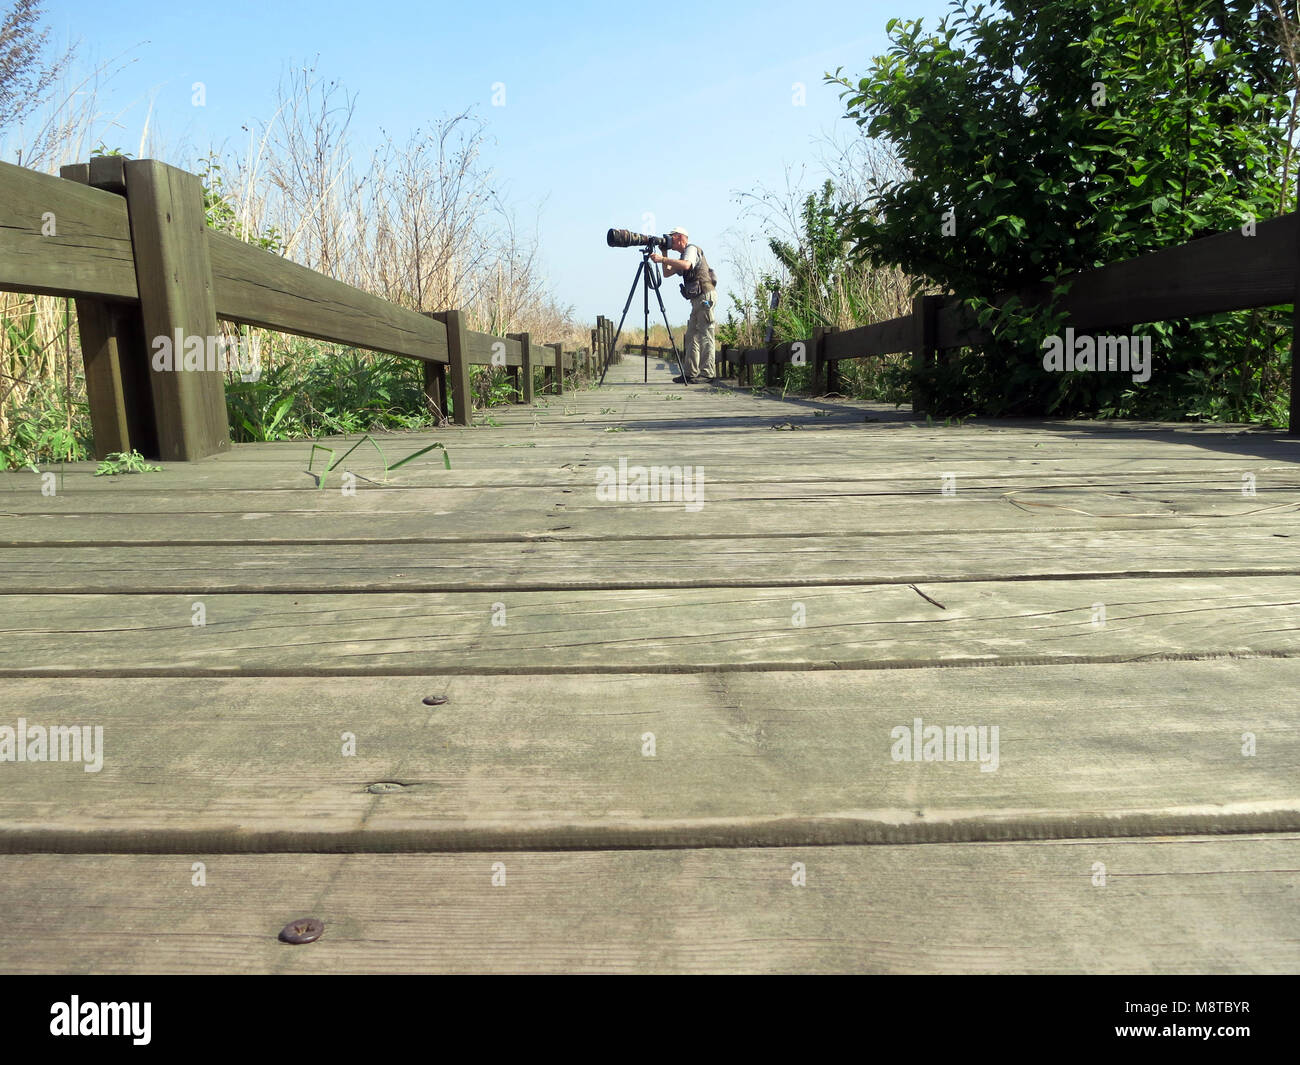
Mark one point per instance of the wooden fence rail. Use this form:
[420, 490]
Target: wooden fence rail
[128, 240]
[1228, 271]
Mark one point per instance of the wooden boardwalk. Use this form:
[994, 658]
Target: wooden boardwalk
[671, 733]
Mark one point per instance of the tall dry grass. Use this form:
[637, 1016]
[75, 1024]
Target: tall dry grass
[415, 222]
[49, 116]
[836, 292]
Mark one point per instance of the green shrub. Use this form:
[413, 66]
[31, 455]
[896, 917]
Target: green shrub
[1047, 138]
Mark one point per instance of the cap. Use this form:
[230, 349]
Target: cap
[679, 229]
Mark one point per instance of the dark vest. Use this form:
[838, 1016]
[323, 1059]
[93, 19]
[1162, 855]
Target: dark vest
[700, 279]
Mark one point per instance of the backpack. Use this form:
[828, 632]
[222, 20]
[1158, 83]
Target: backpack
[694, 285]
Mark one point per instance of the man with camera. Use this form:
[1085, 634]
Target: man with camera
[699, 286]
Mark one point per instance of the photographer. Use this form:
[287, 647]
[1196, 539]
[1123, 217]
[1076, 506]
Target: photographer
[699, 285]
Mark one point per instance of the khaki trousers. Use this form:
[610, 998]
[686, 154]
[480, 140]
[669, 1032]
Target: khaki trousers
[699, 336]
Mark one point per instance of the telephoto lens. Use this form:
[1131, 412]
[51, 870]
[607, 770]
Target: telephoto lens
[625, 238]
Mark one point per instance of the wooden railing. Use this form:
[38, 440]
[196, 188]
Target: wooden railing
[128, 240]
[1228, 271]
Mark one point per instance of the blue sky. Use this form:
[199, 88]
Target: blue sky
[612, 111]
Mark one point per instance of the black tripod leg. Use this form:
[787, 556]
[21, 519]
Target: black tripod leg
[645, 330]
[630, 293]
[681, 366]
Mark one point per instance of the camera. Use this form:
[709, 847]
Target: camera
[625, 238]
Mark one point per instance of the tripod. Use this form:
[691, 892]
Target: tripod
[652, 280]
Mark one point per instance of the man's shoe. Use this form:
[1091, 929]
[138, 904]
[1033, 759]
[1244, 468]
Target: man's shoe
[683, 380]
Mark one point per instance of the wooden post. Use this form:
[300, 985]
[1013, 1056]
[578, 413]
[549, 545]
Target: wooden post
[169, 240]
[559, 368]
[1293, 419]
[819, 360]
[462, 398]
[526, 370]
[769, 372]
[435, 386]
[924, 311]
[113, 347]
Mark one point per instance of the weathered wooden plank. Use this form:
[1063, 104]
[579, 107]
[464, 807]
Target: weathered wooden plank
[483, 349]
[1221, 906]
[813, 438]
[238, 765]
[659, 630]
[1114, 482]
[88, 250]
[493, 504]
[823, 438]
[1224, 272]
[257, 287]
[252, 565]
[1210, 491]
[504, 514]
[881, 338]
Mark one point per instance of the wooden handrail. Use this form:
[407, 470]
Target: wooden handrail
[1226, 271]
[74, 236]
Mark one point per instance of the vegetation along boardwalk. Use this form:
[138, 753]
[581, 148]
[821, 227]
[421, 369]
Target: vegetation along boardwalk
[854, 692]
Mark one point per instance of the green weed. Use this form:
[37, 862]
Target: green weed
[125, 462]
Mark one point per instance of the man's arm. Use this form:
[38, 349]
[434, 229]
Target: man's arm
[689, 260]
[671, 266]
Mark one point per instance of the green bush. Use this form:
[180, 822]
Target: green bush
[1047, 138]
[315, 391]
